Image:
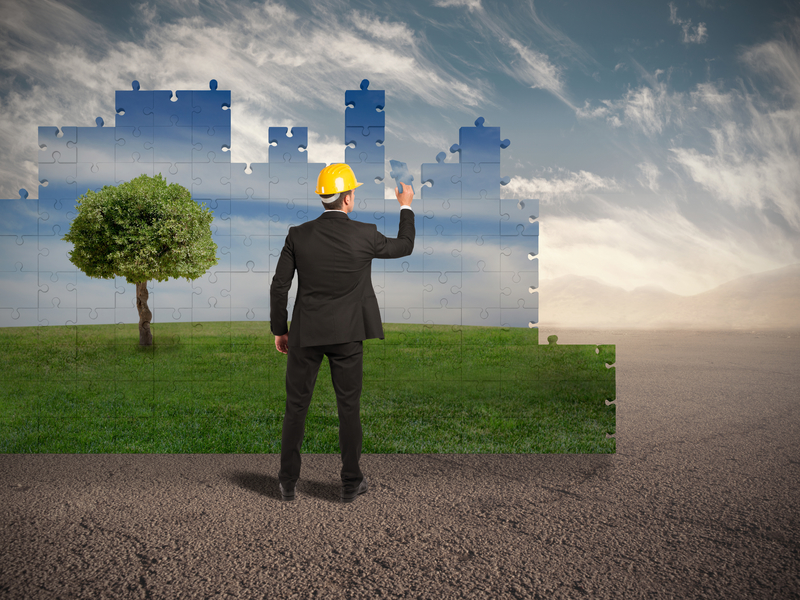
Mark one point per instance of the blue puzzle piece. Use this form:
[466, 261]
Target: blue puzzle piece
[168, 112]
[212, 105]
[211, 144]
[58, 180]
[20, 217]
[400, 174]
[254, 184]
[368, 144]
[94, 176]
[517, 216]
[211, 181]
[51, 140]
[444, 177]
[96, 144]
[288, 147]
[372, 176]
[134, 144]
[134, 108]
[173, 144]
[518, 289]
[479, 144]
[480, 180]
[442, 217]
[288, 185]
[363, 107]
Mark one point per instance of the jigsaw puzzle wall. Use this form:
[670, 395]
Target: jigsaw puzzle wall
[473, 262]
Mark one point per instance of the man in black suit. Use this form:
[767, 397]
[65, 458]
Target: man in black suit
[335, 310]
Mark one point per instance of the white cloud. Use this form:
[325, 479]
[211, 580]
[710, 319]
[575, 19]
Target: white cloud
[535, 69]
[755, 143]
[696, 35]
[559, 184]
[470, 4]
[383, 30]
[647, 108]
[649, 177]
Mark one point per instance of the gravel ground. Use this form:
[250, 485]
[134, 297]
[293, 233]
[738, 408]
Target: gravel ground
[700, 501]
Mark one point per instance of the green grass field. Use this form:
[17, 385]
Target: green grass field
[219, 388]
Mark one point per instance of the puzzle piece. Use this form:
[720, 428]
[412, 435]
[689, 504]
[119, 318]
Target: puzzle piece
[254, 184]
[173, 110]
[18, 248]
[442, 217]
[57, 145]
[211, 181]
[134, 144]
[371, 175]
[94, 176]
[134, 108]
[96, 144]
[482, 179]
[479, 144]
[368, 144]
[173, 145]
[214, 107]
[400, 174]
[286, 181]
[57, 180]
[518, 217]
[364, 107]
[211, 144]
[445, 179]
[288, 148]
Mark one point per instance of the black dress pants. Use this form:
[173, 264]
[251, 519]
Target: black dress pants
[346, 362]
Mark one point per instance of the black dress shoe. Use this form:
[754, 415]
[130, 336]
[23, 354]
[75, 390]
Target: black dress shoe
[352, 495]
[287, 493]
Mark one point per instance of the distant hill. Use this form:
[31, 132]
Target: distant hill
[768, 300]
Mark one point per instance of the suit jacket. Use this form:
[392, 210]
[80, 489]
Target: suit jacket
[335, 300]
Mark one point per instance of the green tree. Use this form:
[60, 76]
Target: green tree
[140, 230]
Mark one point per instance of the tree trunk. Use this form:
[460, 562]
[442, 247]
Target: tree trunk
[145, 316]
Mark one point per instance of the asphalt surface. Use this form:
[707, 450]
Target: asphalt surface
[700, 501]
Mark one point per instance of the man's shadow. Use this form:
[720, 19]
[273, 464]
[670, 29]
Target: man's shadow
[267, 485]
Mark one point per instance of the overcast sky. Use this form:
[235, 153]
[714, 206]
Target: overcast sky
[662, 138]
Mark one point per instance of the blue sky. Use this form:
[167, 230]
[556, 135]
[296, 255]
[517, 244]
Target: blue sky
[661, 138]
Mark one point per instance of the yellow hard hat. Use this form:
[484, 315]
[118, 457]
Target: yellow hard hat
[335, 179]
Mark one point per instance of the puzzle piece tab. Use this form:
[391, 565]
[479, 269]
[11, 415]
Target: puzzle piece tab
[134, 108]
[288, 148]
[368, 144]
[445, 179]
[479, 144]
[57, 146]
[169, 110]
[365, 107]
[96, 144]
[214, 107]
[400, 174]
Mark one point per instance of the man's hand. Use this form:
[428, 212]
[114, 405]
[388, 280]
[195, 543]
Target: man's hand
[407, 196]
[282, 343]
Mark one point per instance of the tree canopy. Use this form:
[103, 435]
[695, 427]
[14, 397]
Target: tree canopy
[142, 229]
